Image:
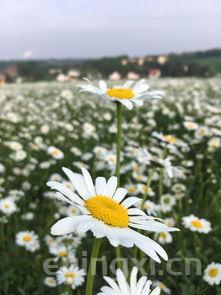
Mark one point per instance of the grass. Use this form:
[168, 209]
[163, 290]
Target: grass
[77, 124]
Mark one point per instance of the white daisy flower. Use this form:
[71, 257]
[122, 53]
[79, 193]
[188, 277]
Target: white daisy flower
[196, 224]
[8, 206]
[179, 188]
[2, 168]
[70, 240]
[212, 274]
[129, 94]
[45, 129]
[144, 189]
[50, 241]
[202, 132]
[19, 156]
[135, 287]
[169, 221]
[28, 216]
[167, 165]
[168, 138]
[132, 189]
[55, 153]
[66, 93]
[162, 287]
[50, 282]
[106, 214]
[14, 145]
[59, 250]
[190, 125]
[28, 239]
[139, 177]
[164, 238]
[56, 177]
[167, 202]
[68, 184]
[214, 143]
[144, 156]
[151, 207]
[170, 170]
[72, 211]
[71, 276]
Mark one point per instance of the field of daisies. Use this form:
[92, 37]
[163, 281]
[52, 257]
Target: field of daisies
[108, 189]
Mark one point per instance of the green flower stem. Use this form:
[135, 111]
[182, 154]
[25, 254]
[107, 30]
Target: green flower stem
[92, 266]
[161, 184]
[150, 178]
[69, 290]
[161, 175]
[119, 142]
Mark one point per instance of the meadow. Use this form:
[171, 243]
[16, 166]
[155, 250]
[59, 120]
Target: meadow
[47, 126]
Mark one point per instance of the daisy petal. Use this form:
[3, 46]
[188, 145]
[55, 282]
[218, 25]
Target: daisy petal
[65, 191]
[111, 186]
[130, 202]
[138, 102]
[67, 225]
[140, 284]
[156, 291]
[120, 194]
[63, 198]
[103, 86]
[126, 103]
[128, 84]
[89, 182]
[133, 279]
[85, 226]
[78, 182]
[153, 226]
[100, 185]
[112, 284]
[136, 211]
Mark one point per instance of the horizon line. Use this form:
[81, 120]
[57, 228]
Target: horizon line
[106, 56]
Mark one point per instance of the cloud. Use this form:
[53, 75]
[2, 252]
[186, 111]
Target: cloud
[91, 28]
[27, 54]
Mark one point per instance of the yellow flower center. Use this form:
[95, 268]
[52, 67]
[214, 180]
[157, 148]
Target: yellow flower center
[51, 281]
[191, 125]
[197, 223]
[62, 253]
[170, 138]
[163, 236]
[213, 272]
[145, 188]
[108, 210]
[27, 238]
[131, 189]
[120, 93]
[6, 206]
[70, 275]
[139, 177]
[162, 286]
[55, 152]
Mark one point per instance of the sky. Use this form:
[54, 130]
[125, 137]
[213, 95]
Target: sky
[96, 28]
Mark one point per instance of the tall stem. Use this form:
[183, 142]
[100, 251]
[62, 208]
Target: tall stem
[150, 178]
[119, 142]
[92, 266]
[160, 184]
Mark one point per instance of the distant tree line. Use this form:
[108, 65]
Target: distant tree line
[200, 64]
